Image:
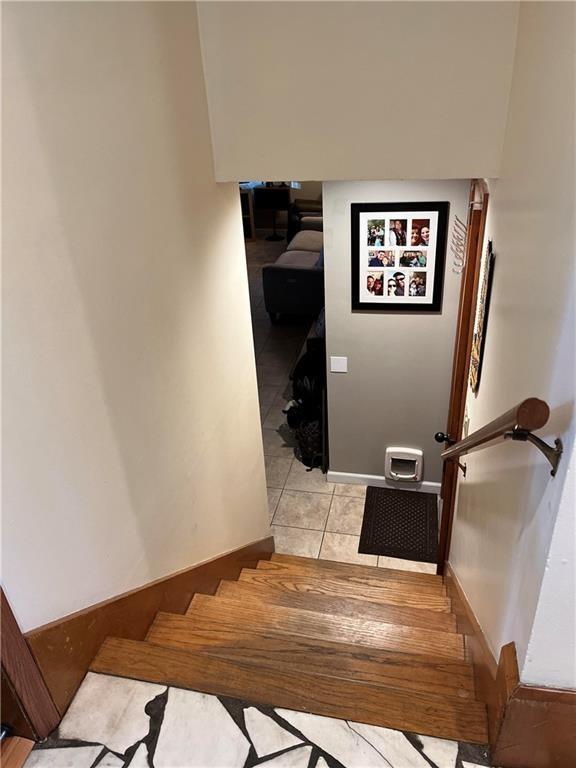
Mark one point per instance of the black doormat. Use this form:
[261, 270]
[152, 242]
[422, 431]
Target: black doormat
[400, 524]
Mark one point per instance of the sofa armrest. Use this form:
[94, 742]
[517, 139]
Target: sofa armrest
[293, 290]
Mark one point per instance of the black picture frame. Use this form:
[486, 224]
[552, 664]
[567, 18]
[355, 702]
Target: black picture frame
[359, 269]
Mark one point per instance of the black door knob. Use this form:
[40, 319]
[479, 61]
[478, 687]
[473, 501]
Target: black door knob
[442, 437]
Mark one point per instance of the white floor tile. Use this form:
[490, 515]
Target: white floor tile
[337, 739]
[198, 732]
[140, 758]
[69, 757]
[344, 549]
[296, 541]
[110, 761]
[273, 499]
[277, 470]
[275, 444]
[300, 479]
[440, 751]
[345, 489]
[296, 758]
[301, 509]
[266, 735]
[406, 565]
[121, 722]
[392, 745]
[346, 515]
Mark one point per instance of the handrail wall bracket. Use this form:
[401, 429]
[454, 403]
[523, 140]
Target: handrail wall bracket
[552, 454]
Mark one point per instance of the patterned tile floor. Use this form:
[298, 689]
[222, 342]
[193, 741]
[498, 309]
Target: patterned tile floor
[309, 516]
[119, 723]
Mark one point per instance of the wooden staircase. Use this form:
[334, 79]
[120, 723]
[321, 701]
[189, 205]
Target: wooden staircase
[361, 643]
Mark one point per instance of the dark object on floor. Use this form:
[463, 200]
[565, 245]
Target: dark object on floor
[305, 415]
[309, 443]
[400, 524]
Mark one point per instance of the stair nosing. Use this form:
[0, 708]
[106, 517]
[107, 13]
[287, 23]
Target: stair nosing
[417, 702]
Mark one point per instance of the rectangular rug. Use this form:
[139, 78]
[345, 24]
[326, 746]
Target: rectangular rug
[400, 524]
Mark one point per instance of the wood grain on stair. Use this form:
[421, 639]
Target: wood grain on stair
[338, 587]
[374, 634]
[14, 751]
[345, 606]
[375, 579]
[420, 712]
[350, 570]
[223, 638]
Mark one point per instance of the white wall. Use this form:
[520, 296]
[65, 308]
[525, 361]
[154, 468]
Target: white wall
[507, 504]
[357, 90]
[397, 388]
[131, 429]
[551, 654]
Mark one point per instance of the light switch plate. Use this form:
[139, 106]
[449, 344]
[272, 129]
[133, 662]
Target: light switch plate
[338, 364]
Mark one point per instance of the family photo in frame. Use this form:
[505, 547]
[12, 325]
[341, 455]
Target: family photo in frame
[398, 254]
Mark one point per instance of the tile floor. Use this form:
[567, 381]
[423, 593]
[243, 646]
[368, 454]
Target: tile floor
[119, 723]
[310, 517]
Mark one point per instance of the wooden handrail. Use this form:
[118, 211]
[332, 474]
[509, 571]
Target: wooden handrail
[528, 415]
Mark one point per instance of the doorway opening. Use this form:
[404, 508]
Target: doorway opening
[283, 226]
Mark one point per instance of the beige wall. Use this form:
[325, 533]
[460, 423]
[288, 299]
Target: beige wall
[508, 503]
[357, 90]
[131, 428]
[397, 387]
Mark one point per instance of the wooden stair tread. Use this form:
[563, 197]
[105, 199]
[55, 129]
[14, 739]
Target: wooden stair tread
[379, 578]
[338, 587]
[346, 606]
[225, 639]
[420, 712]
[366, 632]
[351, 570]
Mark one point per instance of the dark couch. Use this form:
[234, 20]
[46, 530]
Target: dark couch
[294, 284]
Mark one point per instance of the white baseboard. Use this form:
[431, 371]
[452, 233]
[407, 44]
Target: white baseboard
[380, 482]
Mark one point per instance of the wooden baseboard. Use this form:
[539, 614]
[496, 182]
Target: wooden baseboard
[538, 729]
[14, 751]
[528, 727]
[65, 648]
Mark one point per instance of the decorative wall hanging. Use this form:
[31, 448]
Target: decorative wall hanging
[398, 253]
[458, 245]
[481, 321]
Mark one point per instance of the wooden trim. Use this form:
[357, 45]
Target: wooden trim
[65, 648]
[481, 656]
[478, 208]
[13, 713]
[14, 751]
[528, 726]
[538, 729]
[494, 681]
[24, 677]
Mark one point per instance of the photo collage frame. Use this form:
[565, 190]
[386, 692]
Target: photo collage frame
[398, 253]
